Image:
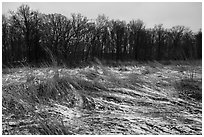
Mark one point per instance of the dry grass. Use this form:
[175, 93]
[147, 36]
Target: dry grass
[190, 88]
[103, 100]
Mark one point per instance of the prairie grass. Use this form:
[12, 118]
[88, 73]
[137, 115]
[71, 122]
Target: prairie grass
[190, 89]
[97, 89]
[189, 86]
[69, 91]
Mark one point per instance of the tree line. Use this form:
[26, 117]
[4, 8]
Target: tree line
[33, 37]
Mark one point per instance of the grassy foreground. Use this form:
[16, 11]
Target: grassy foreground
[148, 98]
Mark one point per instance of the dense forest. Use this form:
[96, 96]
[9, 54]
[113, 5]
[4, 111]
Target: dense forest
[32, 37]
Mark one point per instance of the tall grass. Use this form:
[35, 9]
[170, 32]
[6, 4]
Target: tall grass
[189, 86]
[69, 91]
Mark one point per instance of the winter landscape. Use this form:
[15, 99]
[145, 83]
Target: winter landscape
[78, 76]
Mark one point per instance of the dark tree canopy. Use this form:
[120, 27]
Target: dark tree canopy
[32, 37]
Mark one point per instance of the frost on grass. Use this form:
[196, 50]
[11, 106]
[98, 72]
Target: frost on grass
[139, 99]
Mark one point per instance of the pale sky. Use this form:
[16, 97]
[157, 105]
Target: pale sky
[169, 14]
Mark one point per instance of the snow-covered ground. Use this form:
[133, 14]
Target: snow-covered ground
[140, 99]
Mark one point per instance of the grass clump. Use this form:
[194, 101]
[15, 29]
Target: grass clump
[37, 99]
[53, 127]
[190, 85]
[190, 89]
[28, 98]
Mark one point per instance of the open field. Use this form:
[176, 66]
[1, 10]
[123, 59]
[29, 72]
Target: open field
[144, 98]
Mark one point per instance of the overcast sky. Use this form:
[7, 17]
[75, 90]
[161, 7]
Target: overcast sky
[168, 14]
